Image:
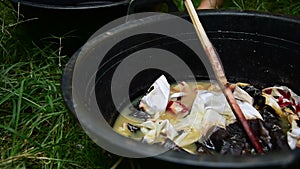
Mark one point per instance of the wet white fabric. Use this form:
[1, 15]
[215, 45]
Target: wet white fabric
[288, 97]
[293, 136]
[209, 111]
[156, 100]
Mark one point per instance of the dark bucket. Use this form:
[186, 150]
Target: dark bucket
[257, 48]
[74, 20]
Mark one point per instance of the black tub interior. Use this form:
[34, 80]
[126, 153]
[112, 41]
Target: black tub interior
[253, 54]
[140, 84]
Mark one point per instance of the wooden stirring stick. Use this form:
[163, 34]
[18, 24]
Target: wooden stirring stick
[220, 75]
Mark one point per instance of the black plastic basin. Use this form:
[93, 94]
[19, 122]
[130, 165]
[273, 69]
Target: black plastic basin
[74, 20]
[257, 48]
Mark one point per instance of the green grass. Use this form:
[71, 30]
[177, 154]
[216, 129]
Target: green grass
[36, 128]
[286, 7]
